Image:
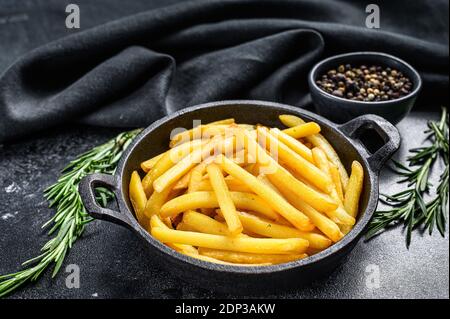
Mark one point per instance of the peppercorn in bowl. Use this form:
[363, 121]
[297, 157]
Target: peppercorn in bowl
[349, 85]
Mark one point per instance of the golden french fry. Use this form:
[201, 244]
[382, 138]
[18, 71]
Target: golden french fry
[201, 132]
[334, 172]
[179, 169]
[247, 127]
[224, 199]
[312, 251]
[303, 130]
[155, 221]
[248, 258]
[354, 189]
[320, 141]
[221, 122]
[217, 261]
[345, 229]
[290, 120]
[323, 223]
[272, 198]
[155, 202]
[263, 178]
[193, 201]
[138, 199]
[283, 179]
[339, 215]
[269, 229]
[196, 177]
[295, 162]
[295, 145]
[167, 161]
[182, 226]
[150, 163]
[204, 224]
[233, 185]
[183, 182]
[208, 259]
[238, 243]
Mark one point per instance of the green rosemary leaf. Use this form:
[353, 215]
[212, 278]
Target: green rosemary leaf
[70, 217]
[408, 206]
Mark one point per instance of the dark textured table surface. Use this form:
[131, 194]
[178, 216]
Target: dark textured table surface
[115, 264]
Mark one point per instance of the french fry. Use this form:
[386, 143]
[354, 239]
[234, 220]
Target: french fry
[339, 215]
[312, 251]
[196, 177]
[201, 132]
[183, 182]
[282, 178]
[323, 223]
[208, 259]
[297, 163]
[290, 120]
[272, 198]
[345, 229]
[297, 146]
[320, 141]
[242, 158]
[270, 229]
[222, 122]
[248, 258]
[150, 163]
[217, 261]
[334, 172]
[354, 189]
[239, 243]
[321, 161]
[167, 161]
[204, 224]
[185, 227]
[193, 201]
[224, 199]
[138, 199]
[181, 168]
[280, 220]
[303, 130]
[233, 185]
[155, 202]
[155, 221]
[247, 127]
[263, 178]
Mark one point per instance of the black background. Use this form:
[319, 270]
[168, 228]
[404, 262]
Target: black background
[139, 68]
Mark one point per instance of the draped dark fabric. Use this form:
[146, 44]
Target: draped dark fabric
[134, 70]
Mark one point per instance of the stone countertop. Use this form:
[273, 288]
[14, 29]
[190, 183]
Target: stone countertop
[110, 269]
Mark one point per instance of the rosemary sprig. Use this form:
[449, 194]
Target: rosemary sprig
[408, 206]
[71, 217]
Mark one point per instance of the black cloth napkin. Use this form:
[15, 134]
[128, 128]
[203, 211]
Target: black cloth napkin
[134, 70]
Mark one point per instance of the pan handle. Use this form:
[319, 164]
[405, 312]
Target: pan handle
[388, 132]
[86, 189]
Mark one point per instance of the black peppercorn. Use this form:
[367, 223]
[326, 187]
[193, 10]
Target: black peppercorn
[365, 83]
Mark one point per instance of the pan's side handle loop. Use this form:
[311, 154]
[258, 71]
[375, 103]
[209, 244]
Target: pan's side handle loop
[86, 189]
[388, 133]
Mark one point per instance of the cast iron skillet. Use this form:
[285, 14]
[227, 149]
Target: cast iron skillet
[154, 140]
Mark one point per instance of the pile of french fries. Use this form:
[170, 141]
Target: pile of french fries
[244, 194]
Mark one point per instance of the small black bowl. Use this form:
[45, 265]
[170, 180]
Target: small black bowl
[341, 110]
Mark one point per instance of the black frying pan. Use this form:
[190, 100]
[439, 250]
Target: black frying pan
[154, 140]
